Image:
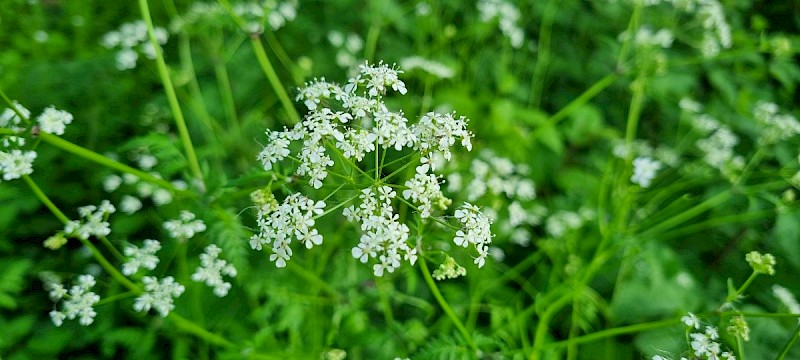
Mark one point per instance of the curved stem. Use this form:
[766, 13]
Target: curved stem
[443, 303]
[788, 346]
[163, 72]
[45, 200]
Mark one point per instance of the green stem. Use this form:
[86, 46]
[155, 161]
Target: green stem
[543, 57]
[263, 60]
[742, 289]
[426, 273]
[189, 327]
[5, 131]
[109, 163]
[163, 72]
[312, 278]
[372, 40]
[544, 324]
[583, 98]
[788, 346]
[710, 203]
[45, 200]
[607, 333]
[224, 84]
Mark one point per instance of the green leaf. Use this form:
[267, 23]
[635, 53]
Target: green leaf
[12, 280]
[787, 237]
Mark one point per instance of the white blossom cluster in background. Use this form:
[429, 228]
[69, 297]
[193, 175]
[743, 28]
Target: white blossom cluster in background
[710, 15]
[136, 190]
[131, 39]
[508, 17]
[348, 48]
[255, 15]
[646, 37]
[78, 302]
[144, 257]
[491, 177]
[15, 161]
[360, 125]
[775, 126]
[717, 145]
[432, 67]
[644, 171]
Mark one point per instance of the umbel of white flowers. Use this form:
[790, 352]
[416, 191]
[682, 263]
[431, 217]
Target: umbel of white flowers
[353, 121]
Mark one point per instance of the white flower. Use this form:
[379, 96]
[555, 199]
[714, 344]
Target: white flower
[130, 204]
[93, 221]
[644, 170]
[424, 189]
[294, 218]
[186, 227]
[79, 303]
[141, 257]
[54, 121]
[475, 230]
[16, 163]
[691, 321]
[211, 270]
[158, 295]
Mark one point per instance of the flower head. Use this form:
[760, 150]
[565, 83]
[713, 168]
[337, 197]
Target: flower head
[159, 295]
[211, 270]
[185, 227]
[54, 121]
[79, 301]
[761, 263]
[141, 257]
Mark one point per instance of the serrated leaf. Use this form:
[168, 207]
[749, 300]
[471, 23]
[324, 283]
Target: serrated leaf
[231, 236]
[12, 280]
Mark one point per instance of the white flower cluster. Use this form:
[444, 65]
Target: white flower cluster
[79, 301]
[293, 219]
[132, 39]
[130, 204]
[141, 257]
[423, 189]
[776, 127]
[158, 295]
[93, 222]
[185, 227]
[14, 161]
[508, 16]
[211, 270]
[711, 16]
[561, 222]
[644, 171]
[254, 14]
[433, 134]
[348, 48]
[383, 237]
[645, 37]
[664, 154]
[475, 231]
[703, 344]
[499, 176]
[432, 67]
[718, 146]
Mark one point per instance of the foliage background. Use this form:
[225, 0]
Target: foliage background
[508, 93]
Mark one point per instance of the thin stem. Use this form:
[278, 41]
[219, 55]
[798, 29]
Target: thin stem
[163, 72]
[372, 40]
[269, 71]
[109, 163]
[426, 273]
[224, 84]
[543, 57]
[788, 346]
[544, 322]
[607, 333]
[45, 200]
[194, 329]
